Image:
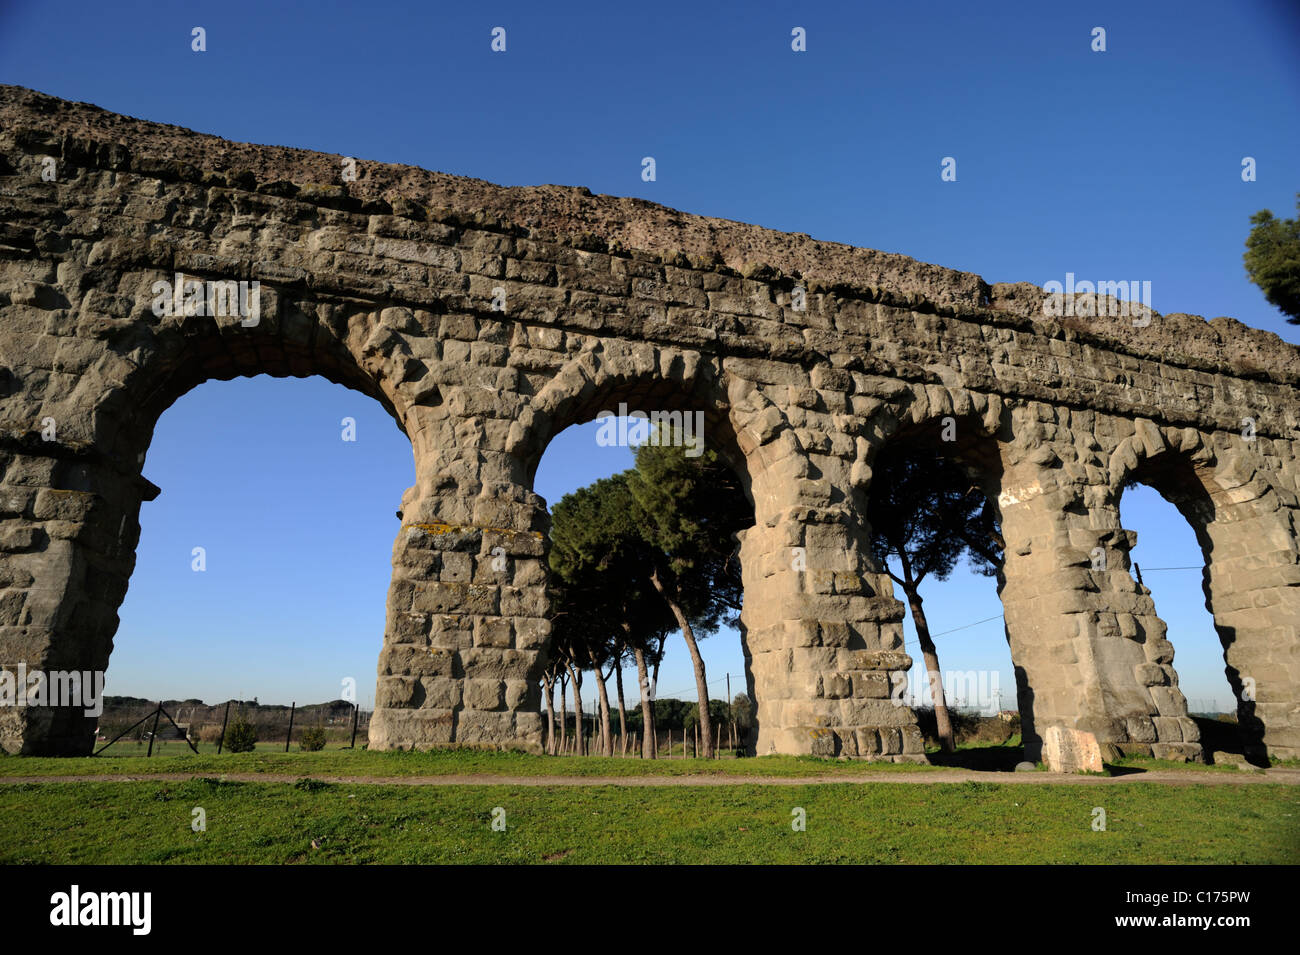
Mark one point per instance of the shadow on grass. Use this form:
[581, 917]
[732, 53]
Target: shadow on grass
[1224, 736]
[1114, 769]
[988, 759]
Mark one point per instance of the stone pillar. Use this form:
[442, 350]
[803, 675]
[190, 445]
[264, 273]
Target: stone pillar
[1090, 652]
[822, 631]
[466, 631]
[1239, 494]
[67, 549]
[1252, 585]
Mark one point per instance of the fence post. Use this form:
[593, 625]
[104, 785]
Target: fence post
[355, 710]
[289, 735]
[221, 741]
[120, 735]
[154, 732]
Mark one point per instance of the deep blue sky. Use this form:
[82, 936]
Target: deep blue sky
[1117, 165]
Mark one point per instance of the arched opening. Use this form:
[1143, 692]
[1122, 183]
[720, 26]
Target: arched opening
[932, 509]
[652, 707]
[1167, 503]
[263, 565]
[95, 483]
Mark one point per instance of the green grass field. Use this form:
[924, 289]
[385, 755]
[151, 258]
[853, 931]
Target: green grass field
[346, 762]
[276, 823]
[113, 820]
[341, 762]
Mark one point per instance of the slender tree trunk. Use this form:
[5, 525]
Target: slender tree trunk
[564, 713]
[654, 717]
[548, 681]
[606, 738]
[701, 684]
[942, 721]
[647, 717]
[622, 708]
[575, 677]
[602, 706]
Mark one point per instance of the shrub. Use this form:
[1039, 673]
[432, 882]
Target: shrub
[241, 737]
[312, 739]
[209, 733]
[966, 727]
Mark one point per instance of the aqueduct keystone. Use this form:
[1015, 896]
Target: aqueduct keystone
[487, 319]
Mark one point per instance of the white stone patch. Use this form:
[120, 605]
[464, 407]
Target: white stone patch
[1021, 495]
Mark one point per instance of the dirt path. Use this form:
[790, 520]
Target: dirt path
[1289, 777]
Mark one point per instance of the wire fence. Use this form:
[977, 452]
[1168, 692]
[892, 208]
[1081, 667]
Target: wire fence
[140, 727]
[683, 741]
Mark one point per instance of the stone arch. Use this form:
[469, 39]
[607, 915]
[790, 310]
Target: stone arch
[976, 418]
[643, 376]
[1244, 519]
[1073, 629]
[605, 375]
[86, 515]
[926, 416]
[351, 346]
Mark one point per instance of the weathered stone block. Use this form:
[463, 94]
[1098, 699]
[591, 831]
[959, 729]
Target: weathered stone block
[871, 684]
[1141, 729]
[836, 686]
[1178, 752]
[891, 741]
[1151, 674]
[398, 692]
[484, 694]
[493, 632]
[1168, 729]
[531, 633]
[442, 692]
[1067, 750]
[441, 598]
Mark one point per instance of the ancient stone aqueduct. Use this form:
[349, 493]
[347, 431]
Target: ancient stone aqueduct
[386, 283]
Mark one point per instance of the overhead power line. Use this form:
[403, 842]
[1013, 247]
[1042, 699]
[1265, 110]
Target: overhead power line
[967, 626]
[942, 633]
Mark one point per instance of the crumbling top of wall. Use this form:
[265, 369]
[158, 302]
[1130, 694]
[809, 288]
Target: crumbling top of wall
[93, 136]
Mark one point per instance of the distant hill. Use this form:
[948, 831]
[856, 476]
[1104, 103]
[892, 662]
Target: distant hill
[121, 711]
[117, 703]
